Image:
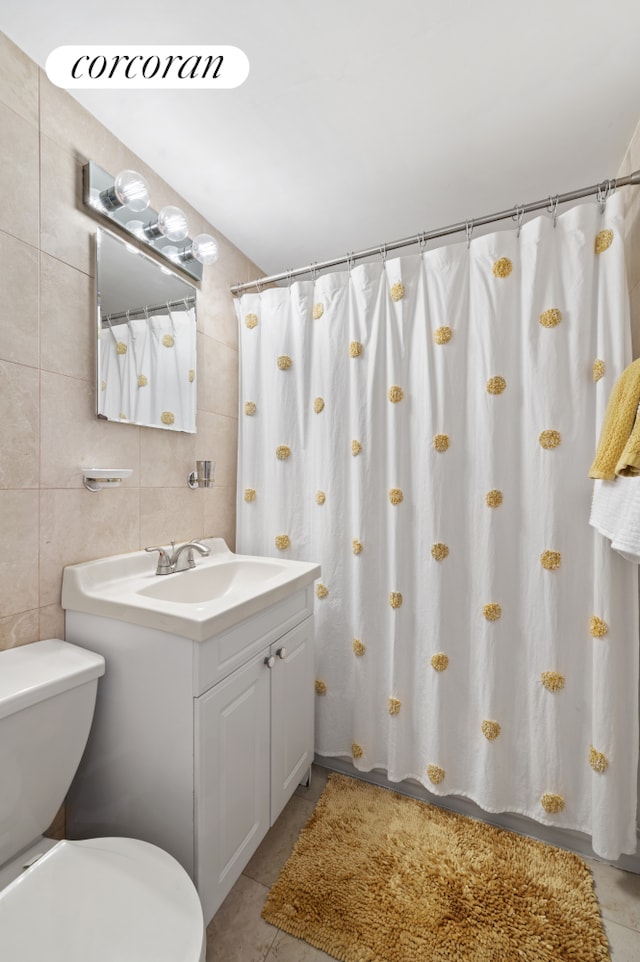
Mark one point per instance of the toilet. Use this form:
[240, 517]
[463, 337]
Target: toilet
[95, 900]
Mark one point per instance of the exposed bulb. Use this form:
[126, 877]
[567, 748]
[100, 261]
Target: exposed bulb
[204, 249]
[172, 223]
[130, 190]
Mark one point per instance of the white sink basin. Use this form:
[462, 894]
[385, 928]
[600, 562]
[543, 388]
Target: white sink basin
[223, 589]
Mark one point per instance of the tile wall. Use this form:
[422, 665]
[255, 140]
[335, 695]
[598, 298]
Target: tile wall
[48, 428]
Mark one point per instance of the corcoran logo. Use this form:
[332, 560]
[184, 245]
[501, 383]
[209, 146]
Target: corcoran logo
[146, 67]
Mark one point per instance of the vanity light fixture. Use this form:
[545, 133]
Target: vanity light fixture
[129, 190]
[165, 231]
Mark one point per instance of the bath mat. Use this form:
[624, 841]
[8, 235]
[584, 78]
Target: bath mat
[379, 877]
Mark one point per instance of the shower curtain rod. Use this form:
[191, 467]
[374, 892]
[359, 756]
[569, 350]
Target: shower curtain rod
[603, 190]
[144, 311]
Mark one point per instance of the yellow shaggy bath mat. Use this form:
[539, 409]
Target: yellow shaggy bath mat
[378, 877]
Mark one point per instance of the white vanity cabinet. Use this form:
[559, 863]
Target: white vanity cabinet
[197, 746]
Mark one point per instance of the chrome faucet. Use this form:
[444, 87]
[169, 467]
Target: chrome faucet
[178, 559]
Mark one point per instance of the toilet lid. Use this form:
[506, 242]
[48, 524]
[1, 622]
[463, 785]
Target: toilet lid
[102, 900]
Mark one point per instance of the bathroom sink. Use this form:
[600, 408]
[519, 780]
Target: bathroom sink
[222, 590]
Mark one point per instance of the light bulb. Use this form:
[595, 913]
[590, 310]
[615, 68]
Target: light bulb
[136, 227]
[172, 223]
[204, 249]
[130, 189]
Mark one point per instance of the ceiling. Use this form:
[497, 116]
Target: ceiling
[364, 121]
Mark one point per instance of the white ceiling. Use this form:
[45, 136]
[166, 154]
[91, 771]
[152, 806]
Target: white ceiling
[364, 121]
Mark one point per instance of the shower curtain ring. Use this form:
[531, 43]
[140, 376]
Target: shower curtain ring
[289, 277]
[350, 259]
[469, 229]
[518, 217]
[552, 207]
[258, 286]
[313, 268]
[605, 189]
[421, 238]
[383, 253]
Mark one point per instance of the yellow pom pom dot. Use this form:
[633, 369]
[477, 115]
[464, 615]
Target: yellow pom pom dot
[123, 416]
[552, 680]
[356, 546]
[551, 317]
[395, 599]
[283, 541]
[321, 688]
[598, 370]
[355, 349]
[167, 417]
[395, 394]
[358, 648]
[440, 661]
[103, 385]
[597, 627]
[552, 803]
[496, 385]
[249, 494]
[549, 439]
[492, 611]
[397, 291]
[250, 408]
[318, 405]
[121, 347]
[318, 311]
[604, 240]
[192, 375]
[396, 496]
[143, 380]
[251, 320]
[284, 362]
[282, 452]
[441, 442]
[356, 750]
[394, 706]
[598, 761]
[356, 448]
[320, 497]
[167, 340]
[490, 729]
[321, 591]
[435, 774]
[442, 335]
[439, 551]
[550, 560]
[502, 267]
[493, 498]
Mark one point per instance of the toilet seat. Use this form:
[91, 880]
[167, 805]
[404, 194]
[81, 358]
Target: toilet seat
[101, 900]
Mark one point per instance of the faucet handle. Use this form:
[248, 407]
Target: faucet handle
[164, 561]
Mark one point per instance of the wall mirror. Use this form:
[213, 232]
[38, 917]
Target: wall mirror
[146, 349]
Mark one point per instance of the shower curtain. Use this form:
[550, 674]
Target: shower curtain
[423, 427]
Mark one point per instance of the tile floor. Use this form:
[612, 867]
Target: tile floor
[238, 934]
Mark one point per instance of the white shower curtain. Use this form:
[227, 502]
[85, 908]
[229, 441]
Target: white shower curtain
[423, 427]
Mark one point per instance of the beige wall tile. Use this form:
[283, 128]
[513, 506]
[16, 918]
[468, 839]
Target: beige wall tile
[216, 312]
[19, 558]
[20, 629]
[19, 176]
[166, 457]
[67, 309]
[80, 525]
[217, 377]
[171, 514]
[74, 438]
[51, 622]
[220, 514]
[18, 81]
[217, 440]
[19, 301]
[19, 403]
[66, 232]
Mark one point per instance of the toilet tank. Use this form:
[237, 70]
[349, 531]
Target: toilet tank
[47, 698]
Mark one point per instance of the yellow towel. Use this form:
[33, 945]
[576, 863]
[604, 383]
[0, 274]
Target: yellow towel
[618, 450]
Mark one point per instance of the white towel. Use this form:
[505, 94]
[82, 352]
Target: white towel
[615, 513]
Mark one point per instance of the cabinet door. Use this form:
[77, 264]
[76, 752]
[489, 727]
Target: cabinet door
[232, 779]
[292, 713]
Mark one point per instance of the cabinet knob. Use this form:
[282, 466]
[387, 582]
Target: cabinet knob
[281, 652]
[270, 661]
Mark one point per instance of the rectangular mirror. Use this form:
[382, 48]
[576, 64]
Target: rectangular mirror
[146, 349]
